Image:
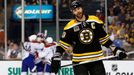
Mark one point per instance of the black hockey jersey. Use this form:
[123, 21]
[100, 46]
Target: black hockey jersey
[86, 38]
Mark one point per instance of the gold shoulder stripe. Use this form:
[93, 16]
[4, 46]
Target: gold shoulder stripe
[94, 19]
[70, 24]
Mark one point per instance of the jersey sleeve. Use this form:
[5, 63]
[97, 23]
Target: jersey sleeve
[103, 36]
[8, 53]
[27, 46]
[64, 42]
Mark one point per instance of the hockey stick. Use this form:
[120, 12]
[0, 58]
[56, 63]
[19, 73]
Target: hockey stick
[104, 58]
[24, 46]
[45, 33]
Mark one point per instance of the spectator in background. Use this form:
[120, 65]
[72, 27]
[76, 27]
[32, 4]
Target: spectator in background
[64, 3]
[116, 8]
[43, 2]
[13, 51]
[117, 21]
[54, 2]
[34, 2]
[100, 15]
[122, 15]
[102, 4]
[111, 16]
[1, 5]
[17, 2]
[50, 1]
[130, 38]
[2, 38]
[122, 30]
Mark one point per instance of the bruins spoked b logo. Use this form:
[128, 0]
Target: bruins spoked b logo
[86, 36]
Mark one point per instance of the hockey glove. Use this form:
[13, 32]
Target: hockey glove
[120, 52]
[56, 62]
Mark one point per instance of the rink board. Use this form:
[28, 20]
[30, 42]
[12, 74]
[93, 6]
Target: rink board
[112, 68]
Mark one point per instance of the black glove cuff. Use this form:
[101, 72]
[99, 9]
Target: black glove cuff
[118, 49]
[120, 52]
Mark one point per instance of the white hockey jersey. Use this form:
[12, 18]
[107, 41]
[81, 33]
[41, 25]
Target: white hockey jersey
[48, 52]
[32, 48]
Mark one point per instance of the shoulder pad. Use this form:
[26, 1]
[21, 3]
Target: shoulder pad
[94, 19]
[71, 24]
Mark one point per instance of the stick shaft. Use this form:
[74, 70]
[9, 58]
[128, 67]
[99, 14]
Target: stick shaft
[104, 58]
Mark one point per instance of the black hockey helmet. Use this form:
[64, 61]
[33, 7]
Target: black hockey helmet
[75, 4]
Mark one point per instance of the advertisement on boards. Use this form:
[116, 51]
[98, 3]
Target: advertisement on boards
[112, 68]
[33, 12]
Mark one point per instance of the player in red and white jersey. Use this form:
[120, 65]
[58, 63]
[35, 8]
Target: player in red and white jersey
[29, 53]
[47, 54]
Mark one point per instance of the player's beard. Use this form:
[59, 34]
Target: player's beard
[79, 15]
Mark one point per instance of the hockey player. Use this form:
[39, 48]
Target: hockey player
[28, 60]
[86, 35]
[50, 43]
[50, 49]
[31, 56]
[47, 54]
[39, 47]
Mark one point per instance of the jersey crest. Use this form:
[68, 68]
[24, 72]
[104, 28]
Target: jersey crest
[86, 36]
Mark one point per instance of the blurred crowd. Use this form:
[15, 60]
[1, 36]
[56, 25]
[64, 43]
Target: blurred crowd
[121, 21]
[27, 2]
[37, 2]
